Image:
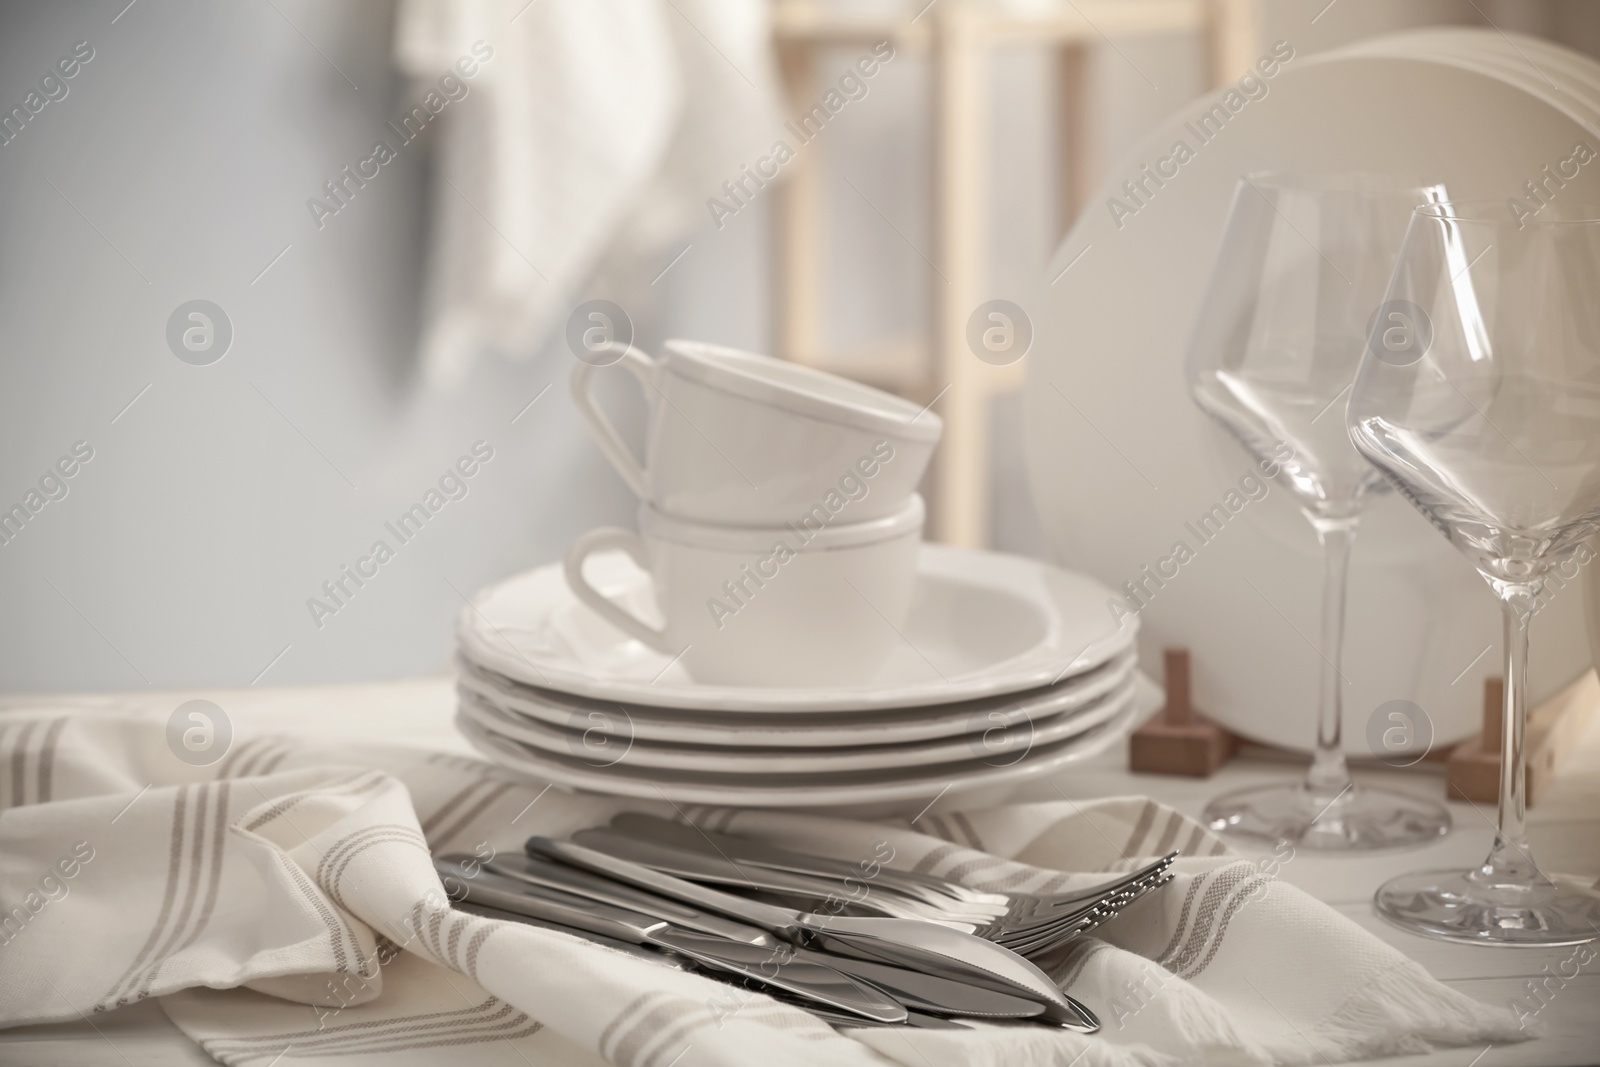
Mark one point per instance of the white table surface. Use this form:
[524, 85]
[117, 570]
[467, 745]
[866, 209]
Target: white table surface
[1565, 830]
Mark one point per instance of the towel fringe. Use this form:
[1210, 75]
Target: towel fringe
[1401, 1011]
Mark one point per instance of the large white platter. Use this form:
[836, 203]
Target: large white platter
[913, 787]
[1120, 471]
[1566, 80]
[773, 729]
[981, 624]
[1546, 63]
[998, 740]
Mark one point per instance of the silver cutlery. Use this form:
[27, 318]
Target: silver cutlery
[609, 891]
[774, 966]
[909, 943]
[627, 948]
[914, 1019]
[1030, 924]
[929, 993]
[913, 989]
[743, 851]
[711, 868]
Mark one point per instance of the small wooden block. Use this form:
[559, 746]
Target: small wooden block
[1180, 740]
[1473, 770]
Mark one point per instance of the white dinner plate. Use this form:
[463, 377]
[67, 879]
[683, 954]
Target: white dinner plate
[726, 729]
[981, 624]
[1546, 61]
[998, 738]
[1106, 388]
[1564, 79]
[915, 785]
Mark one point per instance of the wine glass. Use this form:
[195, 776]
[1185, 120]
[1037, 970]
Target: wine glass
[1304, 260]
[1479, 398]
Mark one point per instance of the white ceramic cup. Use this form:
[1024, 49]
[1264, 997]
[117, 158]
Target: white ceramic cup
[747, 440]
[806, 604]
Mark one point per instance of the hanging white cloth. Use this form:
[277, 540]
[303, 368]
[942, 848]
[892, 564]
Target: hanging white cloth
[592, 133]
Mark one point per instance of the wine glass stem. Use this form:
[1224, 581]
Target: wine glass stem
[1329, 776]
[1509, 858]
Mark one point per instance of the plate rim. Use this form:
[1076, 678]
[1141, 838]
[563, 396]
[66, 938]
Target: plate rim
[1032, 668]
[1146, 700]
[1107, 707]
[1079, 691]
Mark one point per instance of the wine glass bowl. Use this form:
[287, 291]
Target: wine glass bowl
[1480, 402]
[1513, 503]
[1304, 259]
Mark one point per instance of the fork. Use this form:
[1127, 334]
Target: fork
[742, 850]
[1026, 926]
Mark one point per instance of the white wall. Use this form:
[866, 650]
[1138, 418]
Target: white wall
[185, 551]
[217, 504]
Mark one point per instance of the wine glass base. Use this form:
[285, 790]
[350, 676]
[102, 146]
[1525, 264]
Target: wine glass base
[1359, 819]
[1464, 906]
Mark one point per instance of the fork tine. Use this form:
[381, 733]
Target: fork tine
[1158, 867]
[1048, 936]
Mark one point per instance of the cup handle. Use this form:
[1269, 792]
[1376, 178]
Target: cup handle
[611, 444]
[608, 609]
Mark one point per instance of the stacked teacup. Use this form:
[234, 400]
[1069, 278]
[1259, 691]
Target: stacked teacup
[778, 519]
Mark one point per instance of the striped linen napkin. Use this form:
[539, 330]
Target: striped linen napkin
[281, 903]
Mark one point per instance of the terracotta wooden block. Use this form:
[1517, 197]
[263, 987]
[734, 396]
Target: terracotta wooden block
[1473, 770]
[1180, 740]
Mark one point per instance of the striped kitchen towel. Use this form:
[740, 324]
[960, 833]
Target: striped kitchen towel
[281, 903]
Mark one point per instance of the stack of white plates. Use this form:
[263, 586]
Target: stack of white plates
[1492, 116]
[1009, 669]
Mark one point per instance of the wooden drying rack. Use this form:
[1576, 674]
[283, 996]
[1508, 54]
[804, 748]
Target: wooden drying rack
[1182, 741]
[959, 37]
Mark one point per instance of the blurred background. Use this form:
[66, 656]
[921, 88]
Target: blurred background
[392, 211]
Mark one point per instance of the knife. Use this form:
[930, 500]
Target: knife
[1046, 926]
[627, 948]
[920, 991]
[710, 867]
[915, 1019]
[744, 853]
[742, 850]
[756, 963]
[602, 890]
[904, 942]
[914, 990]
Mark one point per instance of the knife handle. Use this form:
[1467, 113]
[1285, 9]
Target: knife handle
[814, 981]
[539, 870]
[823, 893]
[707, 865]
[507, 894]
[776, 920]
[927, 888]
[627, 948]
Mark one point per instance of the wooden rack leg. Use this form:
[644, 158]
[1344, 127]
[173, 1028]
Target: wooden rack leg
[1473, 770]
[1180, 740]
